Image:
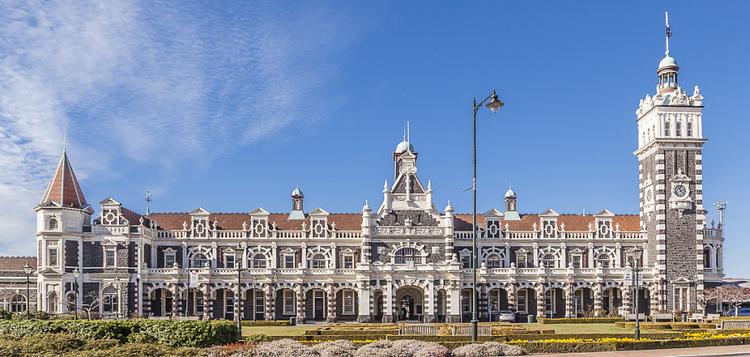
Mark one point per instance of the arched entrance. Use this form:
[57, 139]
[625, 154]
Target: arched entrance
[554, 303]
[161, 302]
[612, 301]
[316, 305]
[195, 302]
[583, 302]
[254, 305]
[378, 309]
[52, 302]
[526, 301]
[409, 303]
[223, 305]
[498, 300]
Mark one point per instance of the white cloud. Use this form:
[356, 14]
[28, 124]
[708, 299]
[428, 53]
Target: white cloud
[130, 79]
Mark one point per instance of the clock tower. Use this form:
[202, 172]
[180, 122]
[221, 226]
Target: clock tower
[670, 140]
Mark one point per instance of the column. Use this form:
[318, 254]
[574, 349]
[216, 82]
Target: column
[653, 296]
[430, 295]
[208, 302]
[177, 300]
[512, 293]
[304, 256]
[540, 299]
[569, 296]
[269, 301]
[332, 310]
[388, 302]
[300, 302]
[627, 300]
[598, 299]
[453, 297]
[363, 302]
[146, 304]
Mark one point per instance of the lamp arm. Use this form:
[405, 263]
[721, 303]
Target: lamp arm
[479, 105]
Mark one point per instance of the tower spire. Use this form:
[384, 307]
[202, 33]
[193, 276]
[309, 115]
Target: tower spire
[64, 188]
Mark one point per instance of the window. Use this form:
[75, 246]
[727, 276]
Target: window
[52, 254]
[348, 261]
[109, 257]
[52, 302]
[289, 261]
[523, 300]
[689, 129]
[229, 261]
[199, 261]
[18, 303]
[667, 129]
[494, 261]
[604, 260]
[706, 257]
[549, 261]
[631, 260]
[348, 302]
[522, 260]
[466, 259]
[109, 300]
[259, 261]
[288, 302]
[52, 224]
[318, 262]
[405, 256]
[678, 129]
[170, 258]
[576, 259]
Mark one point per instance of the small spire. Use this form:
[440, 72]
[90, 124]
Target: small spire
[366, 207]
[148, 200]
[408, 134]
[668, 32]
[385, 186]
[429, 185]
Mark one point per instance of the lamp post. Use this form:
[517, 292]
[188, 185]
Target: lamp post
[76, 274]
[637, 253]
[28, 270]
[493, 105]
[238, 298]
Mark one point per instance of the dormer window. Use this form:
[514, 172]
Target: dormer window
[604, 228]
[493, 228]
[259, 226]
[549, 227]
[318, 228]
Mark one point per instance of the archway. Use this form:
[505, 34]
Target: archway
[583, 302]
[223, 305]
[409, 303]
[285, 304]
[347, 307]
[195, 302]
[161, 302]
[612, 301]
[526, 301]
[254, 304]
[554, 302]
[378, 311]
[52, 302]
[316, 302]
[497, 300]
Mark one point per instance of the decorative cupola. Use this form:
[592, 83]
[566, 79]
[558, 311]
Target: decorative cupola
[668, 67]
[298, 211]
[404, 157]
[63, 189]
[511, 211]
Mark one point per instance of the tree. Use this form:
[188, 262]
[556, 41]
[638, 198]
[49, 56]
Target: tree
[734, 295]
[710, 295]
[90, 303]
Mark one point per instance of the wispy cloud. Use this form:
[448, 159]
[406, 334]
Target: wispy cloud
[131, 79]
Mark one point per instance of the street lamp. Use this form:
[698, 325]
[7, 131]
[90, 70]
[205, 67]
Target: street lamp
[493, 105]
[637, 254]
[27, 270]
[238, 298]
[76, 274]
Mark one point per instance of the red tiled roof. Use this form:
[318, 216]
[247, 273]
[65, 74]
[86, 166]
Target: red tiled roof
[64, 188]
[233, 221]
[16, 263]
[573, 222]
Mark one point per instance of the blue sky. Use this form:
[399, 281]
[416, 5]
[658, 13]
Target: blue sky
[229, 105]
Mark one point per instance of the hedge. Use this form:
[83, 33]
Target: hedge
[563, 347]
[166, 332]
[265, 323]
[668, 325]
[587, 320]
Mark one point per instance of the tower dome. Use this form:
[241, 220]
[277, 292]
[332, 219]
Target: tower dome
[403, 146]
[510, 193]
[668, 62]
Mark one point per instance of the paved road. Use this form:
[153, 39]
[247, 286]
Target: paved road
[733, 351]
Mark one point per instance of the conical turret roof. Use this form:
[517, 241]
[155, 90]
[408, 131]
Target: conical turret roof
[64, 189]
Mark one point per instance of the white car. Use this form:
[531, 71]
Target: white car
[506, 316]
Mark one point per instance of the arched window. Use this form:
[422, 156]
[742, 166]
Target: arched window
[52, 303]
[109, 300]
[494, 261]
[667, 129]
[406, 255]
[18, 303]
[199, 260]
[678, 129]
[318, 262]
[707, 257]
[258, 261]
[53, 224]
[549, 261]
[605, 260]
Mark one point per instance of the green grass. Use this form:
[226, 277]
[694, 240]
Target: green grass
[298, 330]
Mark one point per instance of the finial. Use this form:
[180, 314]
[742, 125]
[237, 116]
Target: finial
[408, 134]
[65, 139]
[148, 201]
[429, 185]
[367, 206]
[668, 31]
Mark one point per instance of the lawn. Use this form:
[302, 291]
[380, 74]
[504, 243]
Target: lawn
[298, 330]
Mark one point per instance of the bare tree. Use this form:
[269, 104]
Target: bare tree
[734, 295]
[91, 303]
[714, 295]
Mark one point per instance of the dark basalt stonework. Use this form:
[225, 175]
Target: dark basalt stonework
[418, 218]
[414, 185]
[71, 253]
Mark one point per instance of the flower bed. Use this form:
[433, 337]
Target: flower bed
[668, 325]
[590, 320]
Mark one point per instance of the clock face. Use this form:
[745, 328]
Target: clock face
[680, 191]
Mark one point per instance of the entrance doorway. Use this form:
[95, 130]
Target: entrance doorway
[409, 302]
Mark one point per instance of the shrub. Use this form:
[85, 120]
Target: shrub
[488, 349]
[339, 348]
[402, 348]
[5, 314]
[285, 347]
[588, 320]
[265, 323]
[257, 338]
